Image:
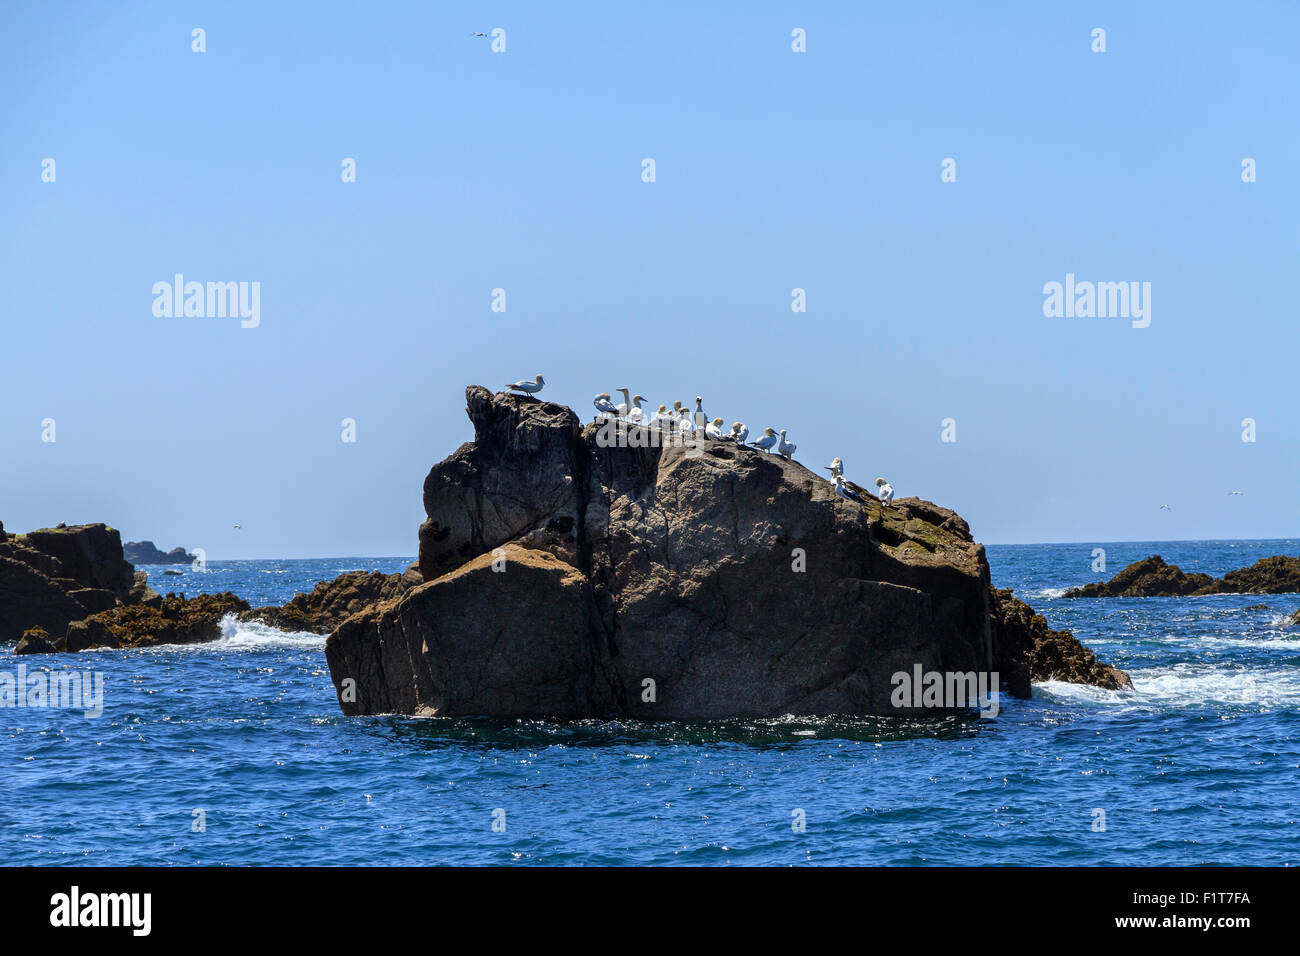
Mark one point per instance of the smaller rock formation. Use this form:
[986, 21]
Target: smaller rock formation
[1153, 577]
[35, 641]
[1027, 650]
[330, 603]
[145, 552]
[51, 577]
[175, 620]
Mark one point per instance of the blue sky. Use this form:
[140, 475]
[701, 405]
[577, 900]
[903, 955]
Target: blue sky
[522, 170]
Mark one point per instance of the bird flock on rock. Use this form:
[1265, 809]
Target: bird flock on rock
[685, 422]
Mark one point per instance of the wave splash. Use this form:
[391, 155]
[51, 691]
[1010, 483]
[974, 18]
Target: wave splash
[237, 635]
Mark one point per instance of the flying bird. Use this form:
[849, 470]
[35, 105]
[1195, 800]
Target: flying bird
[786, 447]
[526, 386]
[1166, 508]
[766, 442]
[238, 526]
[1236, 492]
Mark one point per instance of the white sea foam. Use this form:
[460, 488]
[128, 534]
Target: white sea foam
[1049, 594]
[237, 635]
[1189, 685]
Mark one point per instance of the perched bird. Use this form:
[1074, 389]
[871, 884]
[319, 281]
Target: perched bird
[766, 442]
[845, 491]
[836, 467]
[684, 422]
[624, 406]
[532, 388]
[739, 432]
[884, 490]
[660, 418]
[605, 406]
[700, 418]
[714, 430]
[635, 414]
[786, 447]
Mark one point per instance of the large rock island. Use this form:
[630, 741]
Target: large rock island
[575, 571]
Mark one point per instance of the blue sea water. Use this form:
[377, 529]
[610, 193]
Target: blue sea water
[1198, 765]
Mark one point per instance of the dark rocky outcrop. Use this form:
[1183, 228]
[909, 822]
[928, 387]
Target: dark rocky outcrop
[565, 576]
[35, 641]
[1152, 577]
[145, 552]
[330, 603]
[53, 576]
[1027, 650]
[175, 619]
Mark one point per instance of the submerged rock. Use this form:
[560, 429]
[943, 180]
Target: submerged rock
[1152, 577]
[569, 576]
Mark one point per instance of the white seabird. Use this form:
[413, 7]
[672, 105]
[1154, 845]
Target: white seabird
[532, 388]
[844, 491]
[739, 432]
[684, 422]
[714, 430]
[766, 442]
[660, 418]
[786, 447]
[604, 405]
[635, 414]
[836, 467]
[624, 406]
[884, 490]
[701, 419]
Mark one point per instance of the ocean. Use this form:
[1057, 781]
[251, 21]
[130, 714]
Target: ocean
[235, 753]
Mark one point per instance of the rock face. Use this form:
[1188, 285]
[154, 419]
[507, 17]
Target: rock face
[145, 552]
[569, 575]
[54, 576]
[1152, 577]
[330, 603]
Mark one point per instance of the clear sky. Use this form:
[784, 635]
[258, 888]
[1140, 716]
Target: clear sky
[775, 170]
